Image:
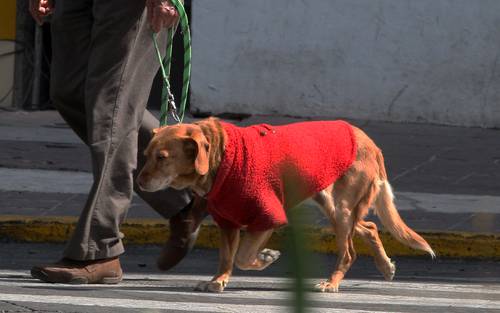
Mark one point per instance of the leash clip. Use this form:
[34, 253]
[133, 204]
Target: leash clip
[172, 108]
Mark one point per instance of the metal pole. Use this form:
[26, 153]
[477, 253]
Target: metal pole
[37, 68]
[24, 33]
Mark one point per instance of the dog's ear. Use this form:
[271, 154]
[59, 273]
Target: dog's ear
[157, 130]
[198, 146]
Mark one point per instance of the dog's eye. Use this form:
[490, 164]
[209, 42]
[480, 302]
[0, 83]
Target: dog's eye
[162, 155]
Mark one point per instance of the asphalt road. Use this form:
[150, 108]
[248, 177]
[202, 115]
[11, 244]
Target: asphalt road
[420, 285]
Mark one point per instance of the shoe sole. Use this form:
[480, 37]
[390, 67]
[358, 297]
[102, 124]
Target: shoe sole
[41, 275]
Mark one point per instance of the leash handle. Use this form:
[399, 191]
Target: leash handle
[167, 98]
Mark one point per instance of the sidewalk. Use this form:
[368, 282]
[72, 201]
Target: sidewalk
[446, 179]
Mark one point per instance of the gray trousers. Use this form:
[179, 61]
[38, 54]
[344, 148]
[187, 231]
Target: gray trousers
[103, 65]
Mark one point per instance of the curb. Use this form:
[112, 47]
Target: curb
[155, 231]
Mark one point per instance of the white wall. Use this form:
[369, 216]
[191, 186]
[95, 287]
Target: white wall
[397, 60]
[6, 74]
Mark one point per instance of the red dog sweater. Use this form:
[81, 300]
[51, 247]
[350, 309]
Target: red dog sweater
[266, 170]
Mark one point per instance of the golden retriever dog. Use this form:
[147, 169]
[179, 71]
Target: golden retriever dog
[216, 160]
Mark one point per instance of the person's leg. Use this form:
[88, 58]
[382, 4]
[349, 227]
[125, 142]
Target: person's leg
[72, 26]
[74, 32]
[184, 226]
[71, 33]
[120, 72]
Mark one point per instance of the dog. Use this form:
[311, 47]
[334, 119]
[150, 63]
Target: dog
[252, 175]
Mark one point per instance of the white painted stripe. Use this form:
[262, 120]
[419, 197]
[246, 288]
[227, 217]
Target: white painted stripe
[252, 296]
[45, 181]
[162, 280]
[452, 299]
[39, 134]
[347, 284]
[446, 203]
[48, 181]
[46, 133]
[187, 306]
[345, 297]
[426, 286]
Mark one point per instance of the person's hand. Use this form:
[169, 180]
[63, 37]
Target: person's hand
[161, 13]
[40, 8]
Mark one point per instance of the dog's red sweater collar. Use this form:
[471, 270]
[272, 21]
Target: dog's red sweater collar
[266, 170]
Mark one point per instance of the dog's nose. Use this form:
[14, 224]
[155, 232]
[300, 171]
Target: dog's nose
[140, 182]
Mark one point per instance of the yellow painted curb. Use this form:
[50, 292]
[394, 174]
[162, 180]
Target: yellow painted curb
[156, 231]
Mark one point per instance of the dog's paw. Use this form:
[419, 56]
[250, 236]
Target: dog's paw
[326, 286]
[387, 269]
[211, 286]
[391, 271]
[268, 255]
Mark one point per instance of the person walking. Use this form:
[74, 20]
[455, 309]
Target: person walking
[102, 69]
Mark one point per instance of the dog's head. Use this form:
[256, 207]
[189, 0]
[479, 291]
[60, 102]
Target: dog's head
[176, 157]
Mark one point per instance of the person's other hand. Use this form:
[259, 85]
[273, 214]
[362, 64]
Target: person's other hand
[40, 8]
[161, 13]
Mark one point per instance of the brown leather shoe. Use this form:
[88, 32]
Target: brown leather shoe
[66, 271]
[184, 228]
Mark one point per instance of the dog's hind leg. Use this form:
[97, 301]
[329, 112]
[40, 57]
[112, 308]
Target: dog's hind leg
[325, 201]
[344, 226]
[366, 230]
[251, 256]
[369, 233]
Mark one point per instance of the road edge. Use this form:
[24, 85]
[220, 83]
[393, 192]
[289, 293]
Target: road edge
[156, 231]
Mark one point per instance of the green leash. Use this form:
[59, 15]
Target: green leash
[167, 98]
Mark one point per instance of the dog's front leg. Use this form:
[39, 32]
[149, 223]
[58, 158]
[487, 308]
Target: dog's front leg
[229, 240]
[250, 254]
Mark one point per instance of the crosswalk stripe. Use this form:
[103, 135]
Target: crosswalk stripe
[452, 296]
[22, 274]
[152, 304]
[347, 284]
[348, 297]
[46, 134]
[50, 181]
[159, 280]
[45, 181]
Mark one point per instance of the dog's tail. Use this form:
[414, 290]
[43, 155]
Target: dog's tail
[390, 218]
